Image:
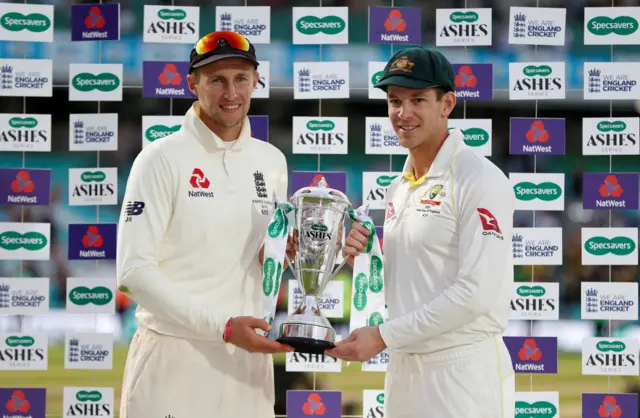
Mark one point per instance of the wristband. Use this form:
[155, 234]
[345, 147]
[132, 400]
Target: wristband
[227, 331]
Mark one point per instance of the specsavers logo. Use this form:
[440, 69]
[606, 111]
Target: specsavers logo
[158, 127]
[90, 295]
[320, 25]
[617, 246]
[102, 82]
[16, 22]
[160, 131]
[476, 134]
[536, 410]
[26, 22]
[611, 25]
[535, 191]
[30, 241]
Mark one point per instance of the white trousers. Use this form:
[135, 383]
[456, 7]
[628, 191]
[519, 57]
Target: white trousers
[475, 381]
[179, 378]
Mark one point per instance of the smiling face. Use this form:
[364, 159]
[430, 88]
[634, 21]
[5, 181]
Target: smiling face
[419, 115]
[224, 90]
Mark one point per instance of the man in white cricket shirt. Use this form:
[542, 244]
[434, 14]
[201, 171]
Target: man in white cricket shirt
[448, 271]
[196, 207]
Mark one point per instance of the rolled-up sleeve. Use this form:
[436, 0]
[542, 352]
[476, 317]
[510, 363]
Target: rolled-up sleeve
[147, 211]
[484, 210]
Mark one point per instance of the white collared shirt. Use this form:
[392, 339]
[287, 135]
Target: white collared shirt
[447, 252]
[189, 256]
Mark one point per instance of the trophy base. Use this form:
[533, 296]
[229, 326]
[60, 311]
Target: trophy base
[306, 345]
[307, 338]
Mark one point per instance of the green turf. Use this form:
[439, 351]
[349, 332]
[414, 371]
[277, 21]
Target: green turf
[569, 381]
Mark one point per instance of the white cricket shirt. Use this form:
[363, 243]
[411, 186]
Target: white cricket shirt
[193, 220]
[447, 252]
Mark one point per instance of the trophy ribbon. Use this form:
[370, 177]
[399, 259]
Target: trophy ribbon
[367, 289]
[275, 248]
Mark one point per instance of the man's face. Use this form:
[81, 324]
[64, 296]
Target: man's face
[417, 115]
[224, 89]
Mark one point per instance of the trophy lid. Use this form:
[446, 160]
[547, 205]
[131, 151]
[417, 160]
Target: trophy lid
[321, 192]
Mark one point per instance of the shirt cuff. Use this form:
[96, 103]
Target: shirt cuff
[385, 333]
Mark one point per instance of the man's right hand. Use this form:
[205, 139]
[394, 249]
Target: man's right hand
[243, 335]
[355, 243]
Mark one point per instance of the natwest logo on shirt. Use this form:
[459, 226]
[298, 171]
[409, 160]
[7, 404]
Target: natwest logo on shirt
[95, 22]
[489, 223]
[199, 181]
[165, 79]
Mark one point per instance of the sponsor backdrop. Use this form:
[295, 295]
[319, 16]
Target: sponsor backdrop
[533, 80]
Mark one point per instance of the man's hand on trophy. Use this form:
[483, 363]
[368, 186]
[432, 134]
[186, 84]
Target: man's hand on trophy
[361, 345]
[243, 334]
[355, 243]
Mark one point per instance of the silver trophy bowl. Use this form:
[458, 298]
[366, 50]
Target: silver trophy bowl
[318, 215]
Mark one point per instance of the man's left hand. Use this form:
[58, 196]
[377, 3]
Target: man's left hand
[361, 345]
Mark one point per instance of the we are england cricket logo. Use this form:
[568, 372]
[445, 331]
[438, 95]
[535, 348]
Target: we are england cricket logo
[158, 127]
[26, 77]
[381, 138]
[609, 301]
[26, 22]
[537, 25]
[611, 81]
[253, 22]
[320, 135]
[88, 351]
[611, 25]
[171, 24]
[93, 132]
[463, 27]
[537, 246]
[617, 136]
[320, 25]
[24, 296]
[321, 80]
[537, 80]
[610, 356]
[90, 82]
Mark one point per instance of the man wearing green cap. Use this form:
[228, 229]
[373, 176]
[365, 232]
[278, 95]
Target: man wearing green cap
[447, 257]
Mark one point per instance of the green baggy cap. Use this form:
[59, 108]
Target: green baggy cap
[417, 68]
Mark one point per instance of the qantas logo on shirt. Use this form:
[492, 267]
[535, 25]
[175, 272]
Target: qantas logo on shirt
[199, 181]
[489, 223]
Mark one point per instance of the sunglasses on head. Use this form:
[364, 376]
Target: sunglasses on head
[214, 40]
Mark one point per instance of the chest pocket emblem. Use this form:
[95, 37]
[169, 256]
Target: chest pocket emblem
[429, 197]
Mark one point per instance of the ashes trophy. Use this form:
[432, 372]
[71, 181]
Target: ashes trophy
[318, 214]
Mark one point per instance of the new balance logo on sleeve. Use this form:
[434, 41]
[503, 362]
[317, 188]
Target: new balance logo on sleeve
[133, 208]
[489, 223]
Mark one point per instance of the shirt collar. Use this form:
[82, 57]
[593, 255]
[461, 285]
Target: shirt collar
[211, 142]
[452, 144]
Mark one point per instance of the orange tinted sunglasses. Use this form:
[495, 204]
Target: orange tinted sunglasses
[211, 41]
